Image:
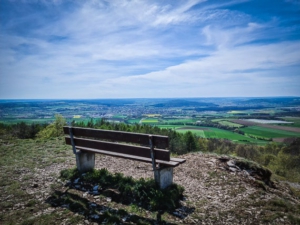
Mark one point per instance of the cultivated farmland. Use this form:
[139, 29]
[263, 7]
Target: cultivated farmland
[184, 120]
[149, 121]
[267, 132]
[211, 132]
[229, 123]
[295, 120]
[132, 121]
[273, 127]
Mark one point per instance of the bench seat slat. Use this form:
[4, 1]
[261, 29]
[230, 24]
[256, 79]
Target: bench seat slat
[125, 156]
[160, 154]
[137, 138]
[178, 160]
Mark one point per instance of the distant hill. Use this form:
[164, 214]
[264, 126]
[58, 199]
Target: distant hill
[285, 101]
[184, 103]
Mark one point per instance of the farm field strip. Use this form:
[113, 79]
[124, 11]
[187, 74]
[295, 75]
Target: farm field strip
[211, 132]
[27, 121]
[237, 112]
[273, 127]
[169, 126]
[179, 120]
[230, 124]
[244, 122]
[119, 116]
[227, 122]
[192, 128]
[217, 120]
[130, 121]
[295, 120]
[268, 132]
[200, 133]
[219, 133]
[284, 128]
[262, 121]
[149, 121]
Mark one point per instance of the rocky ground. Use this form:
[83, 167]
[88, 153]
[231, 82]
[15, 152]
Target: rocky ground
[217, 191]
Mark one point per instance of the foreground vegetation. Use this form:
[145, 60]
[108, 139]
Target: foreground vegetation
[39, 186]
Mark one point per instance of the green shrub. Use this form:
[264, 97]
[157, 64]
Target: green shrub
[53, 130]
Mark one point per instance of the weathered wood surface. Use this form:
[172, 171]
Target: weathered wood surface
[133, 146]
[161, 142]
[125, 156]
[120, 148]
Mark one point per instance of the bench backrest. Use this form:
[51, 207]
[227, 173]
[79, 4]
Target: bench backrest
[135, 144]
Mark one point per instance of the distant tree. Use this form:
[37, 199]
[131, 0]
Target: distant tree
[266, 159]
[59, 122]
[90, 123]
[247, 151]
[22, 130]
[202, 143]
[73, 123]
[54, 129]
[241, 151]
[190, 141]
[293, 148]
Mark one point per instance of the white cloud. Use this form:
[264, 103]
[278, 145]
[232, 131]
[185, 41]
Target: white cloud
[234, 66]
[145, 49]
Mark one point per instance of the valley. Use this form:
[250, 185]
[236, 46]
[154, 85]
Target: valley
[240, 120]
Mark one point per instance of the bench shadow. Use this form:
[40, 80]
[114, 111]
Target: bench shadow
[97, 212]
[88, 195]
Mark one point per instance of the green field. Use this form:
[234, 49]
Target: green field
[295, 120]
[200, 133]
[149, 121]
[169, 126]
[239, 112]
[132, 121]
[211, 132]
[229, 124]
[42, 121]
[224, 134]
[27, 121]
[270, 111]
[188, 120]
[118, 116]
[217, 120]
[268, 132]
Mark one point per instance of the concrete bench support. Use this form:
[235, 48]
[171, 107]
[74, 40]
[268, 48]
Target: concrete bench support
[164, 177]
[85, 161]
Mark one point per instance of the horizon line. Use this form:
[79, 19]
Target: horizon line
[51, 99]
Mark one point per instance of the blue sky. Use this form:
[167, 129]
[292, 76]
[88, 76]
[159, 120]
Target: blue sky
[140, 49]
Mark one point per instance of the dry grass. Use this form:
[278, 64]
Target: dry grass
[30, 173]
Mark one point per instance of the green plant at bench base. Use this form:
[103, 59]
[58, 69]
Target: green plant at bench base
[126, 190]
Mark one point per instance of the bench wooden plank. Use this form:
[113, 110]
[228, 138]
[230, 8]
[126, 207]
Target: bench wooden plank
[125, 156]
[120, 136]
[133, 146]
[178, 160]
[160, 154]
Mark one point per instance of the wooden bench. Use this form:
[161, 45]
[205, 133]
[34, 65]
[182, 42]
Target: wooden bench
[135, 146]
